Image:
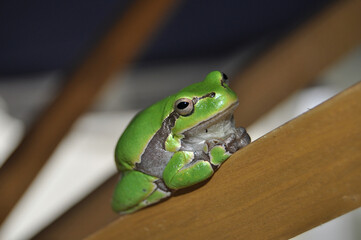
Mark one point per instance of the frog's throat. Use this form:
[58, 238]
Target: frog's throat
[225, 114]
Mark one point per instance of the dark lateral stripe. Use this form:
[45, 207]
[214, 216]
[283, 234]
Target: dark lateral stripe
[155, 157]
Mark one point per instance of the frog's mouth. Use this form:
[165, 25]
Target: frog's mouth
[218, 128]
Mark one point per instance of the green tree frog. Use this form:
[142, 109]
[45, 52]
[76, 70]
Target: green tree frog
[177, 142]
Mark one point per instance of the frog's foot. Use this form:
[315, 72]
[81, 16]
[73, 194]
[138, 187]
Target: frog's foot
[153, 198]
[218, 155]
[185, 169]
[232, 142]
[220, 150]
[237, 140]
[137, 190]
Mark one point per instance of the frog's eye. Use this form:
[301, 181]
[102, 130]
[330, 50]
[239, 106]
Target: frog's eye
[184, 106]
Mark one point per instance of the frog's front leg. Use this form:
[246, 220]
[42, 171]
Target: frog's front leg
[183, 170]
[221, 150]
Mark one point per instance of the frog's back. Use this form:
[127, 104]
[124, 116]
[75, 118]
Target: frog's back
[139, 132]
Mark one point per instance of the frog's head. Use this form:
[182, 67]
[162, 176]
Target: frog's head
[204, 104]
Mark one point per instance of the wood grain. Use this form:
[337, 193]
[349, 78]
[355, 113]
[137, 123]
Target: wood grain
[273, 71]
[114, 53]
[296, 177]
[298, 59]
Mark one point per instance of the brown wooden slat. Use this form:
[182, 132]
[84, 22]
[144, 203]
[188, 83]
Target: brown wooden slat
[115, 52]
[296, 177]
[297, 60]
[268, 65]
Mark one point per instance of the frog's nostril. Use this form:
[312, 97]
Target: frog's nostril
[224, 79]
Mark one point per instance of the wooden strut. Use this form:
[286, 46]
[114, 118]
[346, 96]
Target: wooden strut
[335, 30]
[296, 177]
[114, 53]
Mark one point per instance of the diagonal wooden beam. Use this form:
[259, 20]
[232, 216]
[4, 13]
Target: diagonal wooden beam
[114, 53]
[85, 217]
[298, 59]
[253, 103]
[296, 177]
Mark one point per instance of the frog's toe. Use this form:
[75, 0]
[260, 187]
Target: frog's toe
[245, 139]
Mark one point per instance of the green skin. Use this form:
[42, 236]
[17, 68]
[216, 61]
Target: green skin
[137, 188]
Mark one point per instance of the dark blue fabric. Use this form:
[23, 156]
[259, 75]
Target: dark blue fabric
[46, 35]
[205, 28]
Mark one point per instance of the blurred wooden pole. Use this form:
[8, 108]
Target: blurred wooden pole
[114, 53]
[345, 14]
[85, 217]
[296, 177]
[297, 60]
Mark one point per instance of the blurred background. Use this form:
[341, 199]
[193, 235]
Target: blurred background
[43, 43]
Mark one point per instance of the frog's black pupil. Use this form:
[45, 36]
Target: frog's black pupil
[182, 105]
